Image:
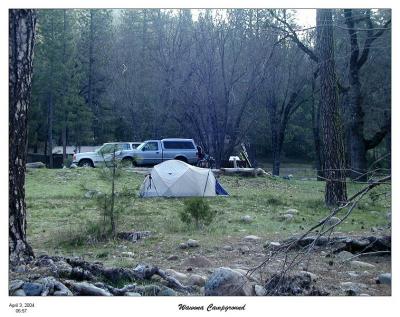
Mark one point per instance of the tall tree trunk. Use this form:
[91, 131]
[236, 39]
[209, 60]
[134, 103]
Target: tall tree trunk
[65, 119]
[316, 118]
[90, 79]
[359, 145]
[21, 41]
[50, 101]
[332, 136]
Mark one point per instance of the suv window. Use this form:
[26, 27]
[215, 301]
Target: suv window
[184, 145]
[126, 146]
[150, 146]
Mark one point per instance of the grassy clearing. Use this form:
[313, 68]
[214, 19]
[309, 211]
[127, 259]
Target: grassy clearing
[60, 218]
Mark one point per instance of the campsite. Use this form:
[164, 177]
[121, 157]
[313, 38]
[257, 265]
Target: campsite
[200, 152]
[61, 215]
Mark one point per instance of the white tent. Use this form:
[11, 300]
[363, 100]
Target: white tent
[175, 178]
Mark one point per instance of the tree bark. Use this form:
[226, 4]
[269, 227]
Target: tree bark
[358, 144]
[332, 137]
[316, 131]
[21, 42]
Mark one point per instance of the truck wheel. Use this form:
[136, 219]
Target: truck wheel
[181, 158]
[127, 162]
[85, 163]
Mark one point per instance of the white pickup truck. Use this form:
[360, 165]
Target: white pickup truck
[153, 152]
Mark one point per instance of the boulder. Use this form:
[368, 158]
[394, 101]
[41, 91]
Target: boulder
[32, 289]
[227, 248]
[385, 278]
[198, 261]
[85, 288]
[244, 249]
[251, 238]
[19, 292]
[192, 243]
[181, 277]
[172, 257]
[183, 245]
[287, 217]
[14, 285]
[259, 290]
[345, 255]
[246, 219]
[353, 274]
[360, 264]
[332, 221]
[273, 245]
[151, 290]
[92, 194]
[227, 282]
[292, 211]
[313, 276]
[132, 294]
[197, 280]
[166, 291]
[351, 288]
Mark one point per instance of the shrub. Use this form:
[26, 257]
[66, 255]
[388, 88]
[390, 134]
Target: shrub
[197, 210]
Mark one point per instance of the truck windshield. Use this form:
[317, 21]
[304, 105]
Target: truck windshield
[109, 148]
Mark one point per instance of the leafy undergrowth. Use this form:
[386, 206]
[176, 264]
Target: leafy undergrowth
[61, 220]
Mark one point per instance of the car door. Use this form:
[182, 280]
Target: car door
[151, 153]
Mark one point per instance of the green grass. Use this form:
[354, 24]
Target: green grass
[60, 217]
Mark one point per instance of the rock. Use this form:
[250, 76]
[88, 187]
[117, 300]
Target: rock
[246, 219]
[274, 245]
[166, 291]
[151, 290]
[385, 278]
[32, 289]
[92, 193]
[61, 289]
[227, 248]
[244, 249]
[14, 285]
[313, 276]
[19, 292]
[181, 277]
[259, 290]
[251, 238]
[172, 257]
[353, 274]
[20, 269]
[132, 294]
[332, 221]
[198, 280]
[351, 288]
[345, 255]
[292, 211]
[63, 268]
[359, 264]
[287, 217]
[193, 243]
[85, 288]
[73, 165]
[197, 261]
[183, 246]
[127, 254]
[35, 165]
[227, 282]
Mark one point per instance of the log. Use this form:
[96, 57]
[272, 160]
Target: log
[248, 172]
[343, 243]
[81, 270]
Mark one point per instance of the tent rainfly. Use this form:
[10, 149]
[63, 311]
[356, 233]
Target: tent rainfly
[175, 178]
